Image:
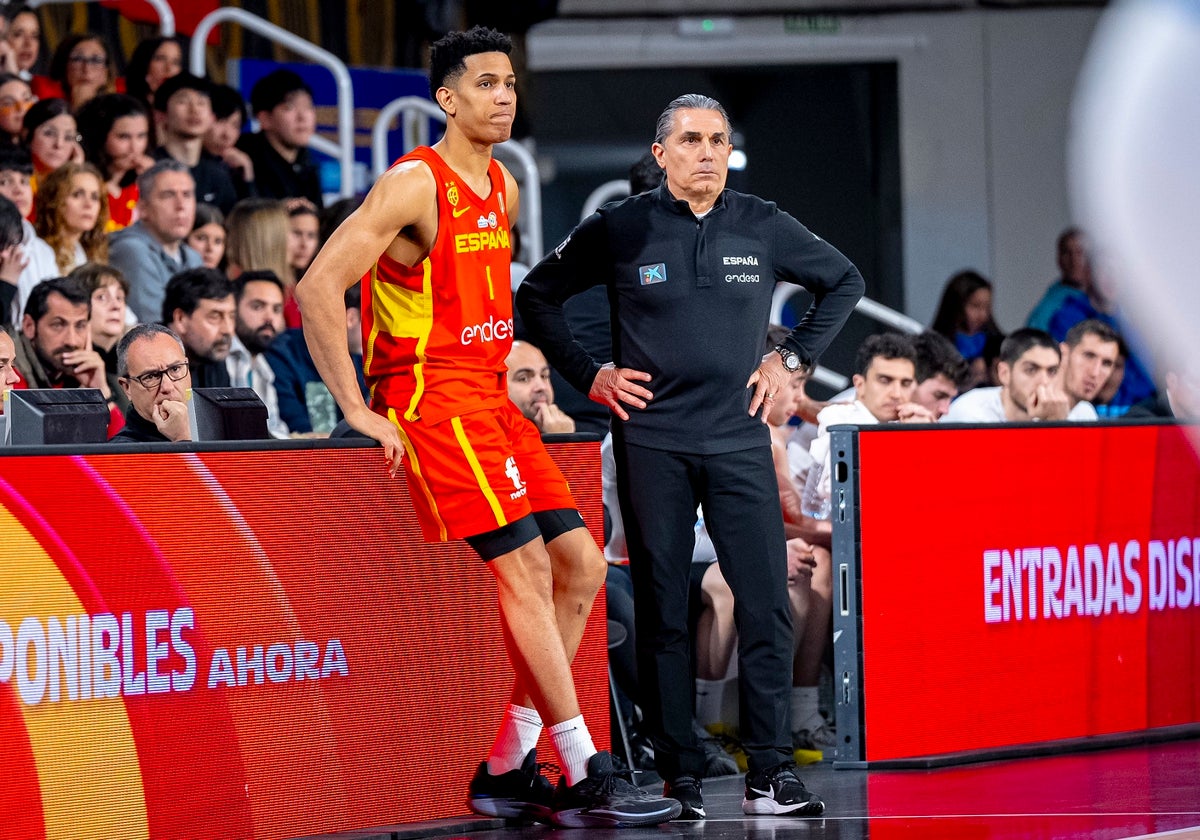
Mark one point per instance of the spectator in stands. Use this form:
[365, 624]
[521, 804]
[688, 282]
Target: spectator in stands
[54, 346]
[258, 320]
[283, 105]
[304, 229]
[157, 382]
[183, 115]
[1028, 390]
[108, 291]
[8, 373]
[964, 316]
[151, 250]
[305, 404]
[1074, 282]
[154, 60]
[16, 98]
[1106, 406]
[208, 236]
[229, 118]
[24, 37]
[941, 372]
[1179, 398]
[199, 307]
[645, 175]
[115, 131]
[11, 259]
[82, 67]
[530, 390]
[38, 257]
[1100, 303]
[71, 215]
[336, 213]
[1089, 354]
[52, 137]
[257, 240]
[885, 380]
[8, 57]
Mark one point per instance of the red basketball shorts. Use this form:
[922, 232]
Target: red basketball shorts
[477, 472]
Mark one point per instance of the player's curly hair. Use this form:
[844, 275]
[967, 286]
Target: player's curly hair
[446, 55]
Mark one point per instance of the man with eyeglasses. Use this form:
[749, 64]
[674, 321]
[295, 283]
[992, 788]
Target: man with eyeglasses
[154, 373]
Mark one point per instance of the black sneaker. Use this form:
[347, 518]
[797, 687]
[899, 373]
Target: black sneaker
[778, 791]
[605, 799]
[686, 791]
[523, 794]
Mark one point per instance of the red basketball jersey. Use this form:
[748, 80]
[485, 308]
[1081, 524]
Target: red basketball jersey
[435, 336]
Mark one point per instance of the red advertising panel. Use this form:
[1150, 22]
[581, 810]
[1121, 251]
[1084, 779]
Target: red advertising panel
[1045, 586]
[236, 644]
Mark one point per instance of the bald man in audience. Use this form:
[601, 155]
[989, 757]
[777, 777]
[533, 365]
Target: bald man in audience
[530, 390]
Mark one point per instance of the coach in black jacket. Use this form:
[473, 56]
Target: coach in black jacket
[690, 268]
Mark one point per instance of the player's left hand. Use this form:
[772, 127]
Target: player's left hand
[768, 380]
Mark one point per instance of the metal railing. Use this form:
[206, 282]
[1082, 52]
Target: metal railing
[412, 111]
[343, 149]
[166, 17]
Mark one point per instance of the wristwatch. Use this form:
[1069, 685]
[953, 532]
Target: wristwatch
[791, 360]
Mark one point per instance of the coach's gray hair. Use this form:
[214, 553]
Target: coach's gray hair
[696, 101]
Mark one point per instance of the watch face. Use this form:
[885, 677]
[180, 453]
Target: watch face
[791, 361]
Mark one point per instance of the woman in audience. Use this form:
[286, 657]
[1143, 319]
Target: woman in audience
[965, 317]
[303, 231]
[109, 322]
[71, 215]
[52, 137]
[38, 257]
[25, 37]
[115, 131]
[208, 236]
[257, 240]
[154, 60]
[82, 67]
[16, 98]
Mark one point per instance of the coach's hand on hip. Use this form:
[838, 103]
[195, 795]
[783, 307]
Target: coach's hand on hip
[613, 386]
[768, 380]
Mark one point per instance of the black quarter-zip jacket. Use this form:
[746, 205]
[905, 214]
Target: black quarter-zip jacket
[690, 299]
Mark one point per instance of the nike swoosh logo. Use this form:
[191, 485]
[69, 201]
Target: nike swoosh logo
[456, 212]
[769, 792]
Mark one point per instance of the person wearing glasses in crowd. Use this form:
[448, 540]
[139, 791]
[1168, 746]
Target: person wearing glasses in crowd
[16, 97]
[52, 137]
[81, 69]
[154, 373]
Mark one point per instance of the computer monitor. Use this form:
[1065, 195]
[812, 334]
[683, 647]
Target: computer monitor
[227, 414]
[42, 416]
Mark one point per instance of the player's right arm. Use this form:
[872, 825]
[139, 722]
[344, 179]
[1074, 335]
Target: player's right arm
[402, 203]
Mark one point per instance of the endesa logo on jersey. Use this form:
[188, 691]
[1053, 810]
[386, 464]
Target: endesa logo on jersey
[493, 329]
[488, 240]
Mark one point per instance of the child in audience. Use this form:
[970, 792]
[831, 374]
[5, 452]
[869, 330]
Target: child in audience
[303, 232]
[52, 137]
[208, 236]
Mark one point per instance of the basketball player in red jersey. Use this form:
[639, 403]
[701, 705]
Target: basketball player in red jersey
[431, 246]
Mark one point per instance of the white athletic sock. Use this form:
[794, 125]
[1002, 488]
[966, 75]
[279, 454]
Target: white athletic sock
[519, 732]
[573, 743]
[709, 697]
[806, 716]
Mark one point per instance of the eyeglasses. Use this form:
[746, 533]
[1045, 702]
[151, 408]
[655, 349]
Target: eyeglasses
[10, 104]
[90, 60]
[152, 379]
[54, 135]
